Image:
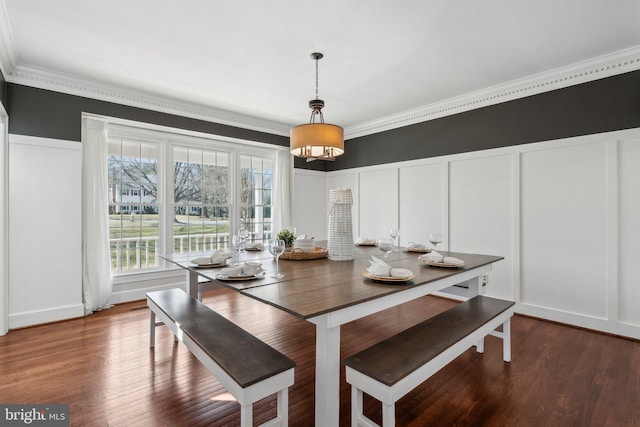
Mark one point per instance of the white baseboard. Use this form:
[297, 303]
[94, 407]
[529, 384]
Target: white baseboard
[582, 321]
[53, 314]
[127, 295]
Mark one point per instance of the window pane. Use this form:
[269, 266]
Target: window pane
[201, 197]
[255, 201]
[133, 208]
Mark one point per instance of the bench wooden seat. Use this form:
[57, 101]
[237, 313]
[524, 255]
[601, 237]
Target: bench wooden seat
[247, 367]
[391, 368]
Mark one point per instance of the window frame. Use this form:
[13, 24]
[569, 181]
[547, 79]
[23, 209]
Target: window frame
[167, 140]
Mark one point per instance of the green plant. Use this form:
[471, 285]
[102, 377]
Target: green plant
[286, 235]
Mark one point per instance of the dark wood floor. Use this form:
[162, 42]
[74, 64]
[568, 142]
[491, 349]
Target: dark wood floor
[102, 367]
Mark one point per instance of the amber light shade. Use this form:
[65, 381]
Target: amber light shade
[317, 141]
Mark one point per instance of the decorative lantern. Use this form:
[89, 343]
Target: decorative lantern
[340, 230]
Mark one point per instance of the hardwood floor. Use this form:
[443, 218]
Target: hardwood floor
[101, 365]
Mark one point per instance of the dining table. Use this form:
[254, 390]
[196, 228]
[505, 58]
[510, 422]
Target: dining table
[331, 293]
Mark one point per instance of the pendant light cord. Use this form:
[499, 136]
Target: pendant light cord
[316, 78]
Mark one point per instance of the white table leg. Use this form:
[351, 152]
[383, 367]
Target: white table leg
[193, 283]
[474, 286]
[327, 375]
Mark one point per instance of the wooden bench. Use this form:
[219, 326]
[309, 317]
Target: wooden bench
[247, 367]
[391, 368]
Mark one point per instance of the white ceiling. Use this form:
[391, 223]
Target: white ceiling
[247, 61]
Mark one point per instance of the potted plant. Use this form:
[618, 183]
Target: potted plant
[288, 237]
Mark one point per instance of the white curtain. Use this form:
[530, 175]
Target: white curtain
[96, 262]
[283, 184]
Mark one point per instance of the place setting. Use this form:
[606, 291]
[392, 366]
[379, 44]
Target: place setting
[436, 259]
[253, 246]
[216, 259]
[250, 270]
[418, 247]
[380, 271]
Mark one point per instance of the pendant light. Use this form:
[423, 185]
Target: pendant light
[317, 140]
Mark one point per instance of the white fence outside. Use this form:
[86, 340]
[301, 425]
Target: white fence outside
[133, 253]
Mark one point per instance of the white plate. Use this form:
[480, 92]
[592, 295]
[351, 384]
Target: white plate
[388, 278]
[241, 277]
[442, 264]
[419, 250]
[208, 265]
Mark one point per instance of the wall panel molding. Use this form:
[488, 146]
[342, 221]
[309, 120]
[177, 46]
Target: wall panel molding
[597, 289]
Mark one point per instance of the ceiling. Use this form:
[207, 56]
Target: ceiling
[247, 62]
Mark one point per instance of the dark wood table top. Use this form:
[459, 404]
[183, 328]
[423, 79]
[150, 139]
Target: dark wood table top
[319, 286]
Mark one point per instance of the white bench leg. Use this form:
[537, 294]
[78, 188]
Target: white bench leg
[388, 415]
[152, 329]
[506, 340]
[356, 405]
[283, 406]
[246, 415]
[480, 346]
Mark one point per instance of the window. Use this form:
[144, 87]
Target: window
[256, 181]
[133, 219]
[201, 190]
[174, 193]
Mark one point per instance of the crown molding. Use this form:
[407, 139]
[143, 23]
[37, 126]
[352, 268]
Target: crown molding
[44, 79]
[581, 72]
[8, 54]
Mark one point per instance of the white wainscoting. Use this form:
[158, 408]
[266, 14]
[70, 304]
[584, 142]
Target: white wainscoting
[422, 201]
[481, 214]
[628, 231]
[310, 198]
[45, 244]
[565, 215]
[563, 227]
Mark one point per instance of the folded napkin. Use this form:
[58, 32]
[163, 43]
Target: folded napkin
[417, 246]
[249, 268]
[231, 271]
[435, 257]
[381, 269]
[254, 246]
[205, 260]
[218, 257]
[365, 241]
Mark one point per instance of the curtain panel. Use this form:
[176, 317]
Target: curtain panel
[96, 262]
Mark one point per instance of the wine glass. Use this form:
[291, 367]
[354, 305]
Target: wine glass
[242, 239]
[276, 247]
[394, 233]
[435, 239]
[385, 245]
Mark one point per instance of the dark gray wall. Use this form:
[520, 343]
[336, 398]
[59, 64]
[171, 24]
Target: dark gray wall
[49, 114]
[600, 106]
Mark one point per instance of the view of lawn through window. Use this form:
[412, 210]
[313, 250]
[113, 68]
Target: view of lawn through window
[203, 206]
[133, 208]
